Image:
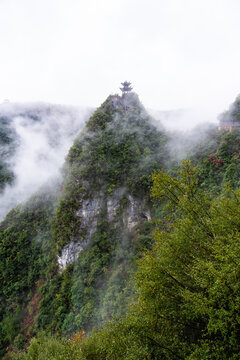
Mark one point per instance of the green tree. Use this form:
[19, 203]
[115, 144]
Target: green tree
[188, 284]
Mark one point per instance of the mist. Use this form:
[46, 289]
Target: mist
[41, 137]
[184, 119]
[42, 134]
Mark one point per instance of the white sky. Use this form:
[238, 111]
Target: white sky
[176, 53]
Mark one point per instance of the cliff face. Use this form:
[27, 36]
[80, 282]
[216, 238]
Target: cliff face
[133, 213]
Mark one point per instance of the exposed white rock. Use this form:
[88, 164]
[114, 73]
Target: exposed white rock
[89, 211]
[132, 213]
[69, 254]
[88, 214]
[131, 217]
[114, 203]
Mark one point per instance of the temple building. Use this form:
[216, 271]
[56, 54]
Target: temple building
[228, 126]
[126, 87]
[230, 119]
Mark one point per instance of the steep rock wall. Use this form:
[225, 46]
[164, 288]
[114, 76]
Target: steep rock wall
[121, 209]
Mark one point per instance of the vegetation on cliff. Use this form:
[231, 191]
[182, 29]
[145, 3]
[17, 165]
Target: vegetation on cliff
[187, 286]
[115, 154]
[168, 295]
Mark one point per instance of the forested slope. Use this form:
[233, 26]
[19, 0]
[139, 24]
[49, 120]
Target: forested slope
[100, 210]
[153, 253]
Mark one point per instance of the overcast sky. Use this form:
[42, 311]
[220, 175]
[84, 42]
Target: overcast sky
[176, 53]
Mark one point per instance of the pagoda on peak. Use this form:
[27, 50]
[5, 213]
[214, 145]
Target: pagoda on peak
[126, 87]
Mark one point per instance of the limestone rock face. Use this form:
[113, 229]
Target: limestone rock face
[129, 214]
[134, 213]
[69, 254]
[88, 214]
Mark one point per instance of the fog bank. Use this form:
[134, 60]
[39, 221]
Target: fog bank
[41, 135]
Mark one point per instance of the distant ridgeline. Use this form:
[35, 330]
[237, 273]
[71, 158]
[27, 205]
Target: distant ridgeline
[230, 119]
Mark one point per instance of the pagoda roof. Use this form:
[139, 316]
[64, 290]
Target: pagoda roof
[126, 86]
[126, 83]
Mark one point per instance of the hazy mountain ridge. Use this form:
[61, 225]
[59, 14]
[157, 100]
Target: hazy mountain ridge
[75, 243]
[104, 209]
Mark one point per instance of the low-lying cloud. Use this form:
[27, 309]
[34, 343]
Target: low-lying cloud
[43, 135]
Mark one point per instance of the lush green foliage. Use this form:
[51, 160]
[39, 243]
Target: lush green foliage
[188, 283]
[187, 305]
[125, 148]
[25, 252]
[118, 148]
[184, 301]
